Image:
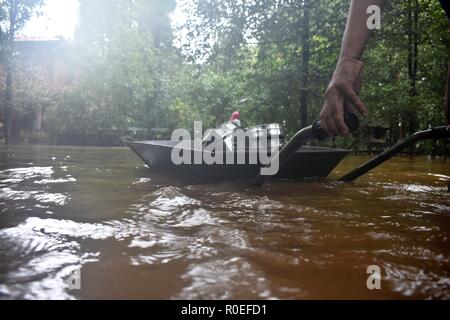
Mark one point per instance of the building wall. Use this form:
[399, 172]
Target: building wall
[48, 57]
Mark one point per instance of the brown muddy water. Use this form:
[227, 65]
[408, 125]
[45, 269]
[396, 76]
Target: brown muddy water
[129, 232]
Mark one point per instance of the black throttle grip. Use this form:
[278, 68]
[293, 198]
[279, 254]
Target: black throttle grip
[439, 133]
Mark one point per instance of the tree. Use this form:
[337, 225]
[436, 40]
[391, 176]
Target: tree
[122, 67]
[305, 40]
[294, 50]
[284, 53]
[271, 59]
[14, 14]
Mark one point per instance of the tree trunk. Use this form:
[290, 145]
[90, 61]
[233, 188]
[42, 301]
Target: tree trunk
[9, 75]
[413, 46]
[306, 55]
[8, 105]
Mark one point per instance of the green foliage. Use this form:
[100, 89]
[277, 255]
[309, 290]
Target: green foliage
[264, 40]
[121, 76]
[13, 16]
[240, 55]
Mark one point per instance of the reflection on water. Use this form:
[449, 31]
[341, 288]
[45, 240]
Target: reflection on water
[136, 233]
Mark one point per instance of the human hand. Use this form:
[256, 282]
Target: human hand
[341, 96]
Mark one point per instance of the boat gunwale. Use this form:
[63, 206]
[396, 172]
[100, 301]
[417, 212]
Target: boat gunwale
[303, 149]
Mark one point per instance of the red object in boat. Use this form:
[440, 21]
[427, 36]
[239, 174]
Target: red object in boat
[235, 116]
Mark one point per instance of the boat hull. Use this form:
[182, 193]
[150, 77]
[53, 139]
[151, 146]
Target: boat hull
[307, 162]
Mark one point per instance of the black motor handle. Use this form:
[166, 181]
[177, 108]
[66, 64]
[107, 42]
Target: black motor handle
[351, 121]
[436, 133]
[439, 133]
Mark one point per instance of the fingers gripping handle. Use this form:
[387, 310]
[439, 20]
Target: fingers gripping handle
[351, 121]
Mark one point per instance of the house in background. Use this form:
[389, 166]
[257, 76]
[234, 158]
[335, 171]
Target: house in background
[42, 61]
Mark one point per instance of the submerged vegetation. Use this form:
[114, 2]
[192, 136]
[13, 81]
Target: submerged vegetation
[130, 69]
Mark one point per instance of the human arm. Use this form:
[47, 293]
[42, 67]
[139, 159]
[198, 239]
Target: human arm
[346, 81]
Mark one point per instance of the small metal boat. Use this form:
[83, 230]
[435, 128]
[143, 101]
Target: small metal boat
[296, 160]
[306, 162]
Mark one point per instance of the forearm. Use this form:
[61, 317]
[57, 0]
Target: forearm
[357, 33]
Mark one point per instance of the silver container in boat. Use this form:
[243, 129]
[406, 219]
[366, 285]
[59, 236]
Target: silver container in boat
[226, 134]
[268, 137]
[265, 136]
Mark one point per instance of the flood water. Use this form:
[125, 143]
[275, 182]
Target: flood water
[130, 232]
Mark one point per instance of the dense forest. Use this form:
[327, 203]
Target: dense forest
[130, 67]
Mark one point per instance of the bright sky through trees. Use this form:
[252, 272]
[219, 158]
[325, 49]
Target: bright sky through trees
[60, 18]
